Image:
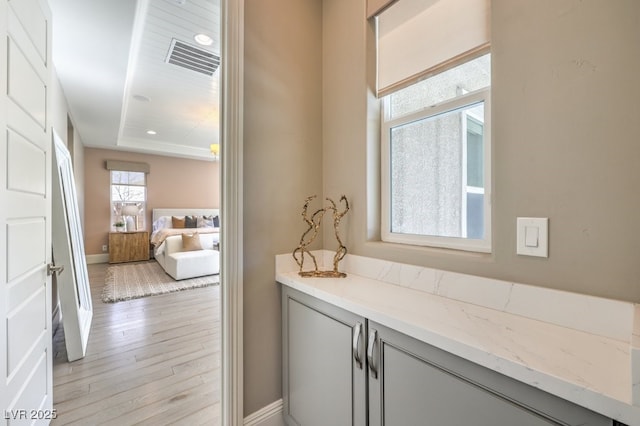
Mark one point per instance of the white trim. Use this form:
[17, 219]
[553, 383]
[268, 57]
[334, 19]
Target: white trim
[231, 214]
[142, 7]
[474, 190]
[270, 415]
[448, 105]
[463, 187]
[466, 244]
[97, 258]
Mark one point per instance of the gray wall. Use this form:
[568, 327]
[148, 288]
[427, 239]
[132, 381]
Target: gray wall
[565, 146]
[282, 166]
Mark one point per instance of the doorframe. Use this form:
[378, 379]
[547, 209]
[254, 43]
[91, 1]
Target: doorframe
[231, 211]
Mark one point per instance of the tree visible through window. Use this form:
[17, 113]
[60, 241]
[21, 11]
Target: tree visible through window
[128, 189]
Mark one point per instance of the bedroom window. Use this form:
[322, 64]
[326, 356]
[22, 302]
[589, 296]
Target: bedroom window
[128, 199]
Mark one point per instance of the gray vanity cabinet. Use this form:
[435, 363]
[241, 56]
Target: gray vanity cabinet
[413, 383]
[324, 379]
[342, 369]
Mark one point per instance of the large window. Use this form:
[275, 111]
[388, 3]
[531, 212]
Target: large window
[128, 199]
[436, 154]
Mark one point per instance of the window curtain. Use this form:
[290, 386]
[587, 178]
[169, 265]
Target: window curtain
[127, 166]
[419, 38]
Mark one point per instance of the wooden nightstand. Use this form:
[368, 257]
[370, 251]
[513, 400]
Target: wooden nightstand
[128, 246]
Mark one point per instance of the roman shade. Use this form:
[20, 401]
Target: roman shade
[419, 38]
[374, 7]
[127, 166]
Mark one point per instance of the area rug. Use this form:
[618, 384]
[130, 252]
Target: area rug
[132, 281]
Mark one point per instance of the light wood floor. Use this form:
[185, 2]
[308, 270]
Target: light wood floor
[154, 360]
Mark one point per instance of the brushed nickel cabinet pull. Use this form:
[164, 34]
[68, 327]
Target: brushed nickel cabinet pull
[373, 369]
[357, 332]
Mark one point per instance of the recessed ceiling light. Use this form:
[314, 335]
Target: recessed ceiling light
[151, 132]
[203, 39]
[141, 98]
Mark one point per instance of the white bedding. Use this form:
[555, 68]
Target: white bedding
[158, 236]
[162, 224]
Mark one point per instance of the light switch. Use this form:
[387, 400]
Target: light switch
[533, 236]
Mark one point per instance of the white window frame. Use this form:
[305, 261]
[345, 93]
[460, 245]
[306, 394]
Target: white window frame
[114, 216]
[466, 244]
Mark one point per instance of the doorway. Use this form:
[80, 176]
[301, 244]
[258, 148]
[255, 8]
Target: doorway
[112, 316]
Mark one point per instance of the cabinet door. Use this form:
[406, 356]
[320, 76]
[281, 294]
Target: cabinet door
[128, 246]
[418, 384]
[324, 382]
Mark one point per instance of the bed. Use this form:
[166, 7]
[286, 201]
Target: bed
[206, 221]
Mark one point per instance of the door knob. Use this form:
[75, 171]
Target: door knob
[53, 269]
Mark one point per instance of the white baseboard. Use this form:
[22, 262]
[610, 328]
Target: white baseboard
[97, 258]
[271, 415]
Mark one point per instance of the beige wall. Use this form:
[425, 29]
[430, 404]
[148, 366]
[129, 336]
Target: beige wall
[282, 166]
[78, 171]
[564, 147]
[172, 183]
[60, 113]
[564, 143]
[565, 107]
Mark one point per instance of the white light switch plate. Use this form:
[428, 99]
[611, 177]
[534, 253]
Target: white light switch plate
[533, 236]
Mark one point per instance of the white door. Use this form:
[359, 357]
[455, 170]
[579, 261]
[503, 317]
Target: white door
[25, 212]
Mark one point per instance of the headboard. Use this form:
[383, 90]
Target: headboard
[157, 213]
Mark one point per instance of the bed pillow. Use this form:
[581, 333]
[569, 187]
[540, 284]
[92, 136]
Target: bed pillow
[191, 242]
[205, 221]
[162, 222]
[177, 222]
[190, 221]
[216, 221]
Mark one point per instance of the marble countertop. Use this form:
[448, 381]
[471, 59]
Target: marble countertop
[591, 370]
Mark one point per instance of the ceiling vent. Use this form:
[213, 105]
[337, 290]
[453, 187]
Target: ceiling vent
[191, 57]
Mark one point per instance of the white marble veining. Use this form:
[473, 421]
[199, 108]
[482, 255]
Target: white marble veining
[606, 317]
[578, 347]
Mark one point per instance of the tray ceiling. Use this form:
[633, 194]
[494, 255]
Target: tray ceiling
[112, 58]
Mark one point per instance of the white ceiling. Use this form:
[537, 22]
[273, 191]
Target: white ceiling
[110, 53]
